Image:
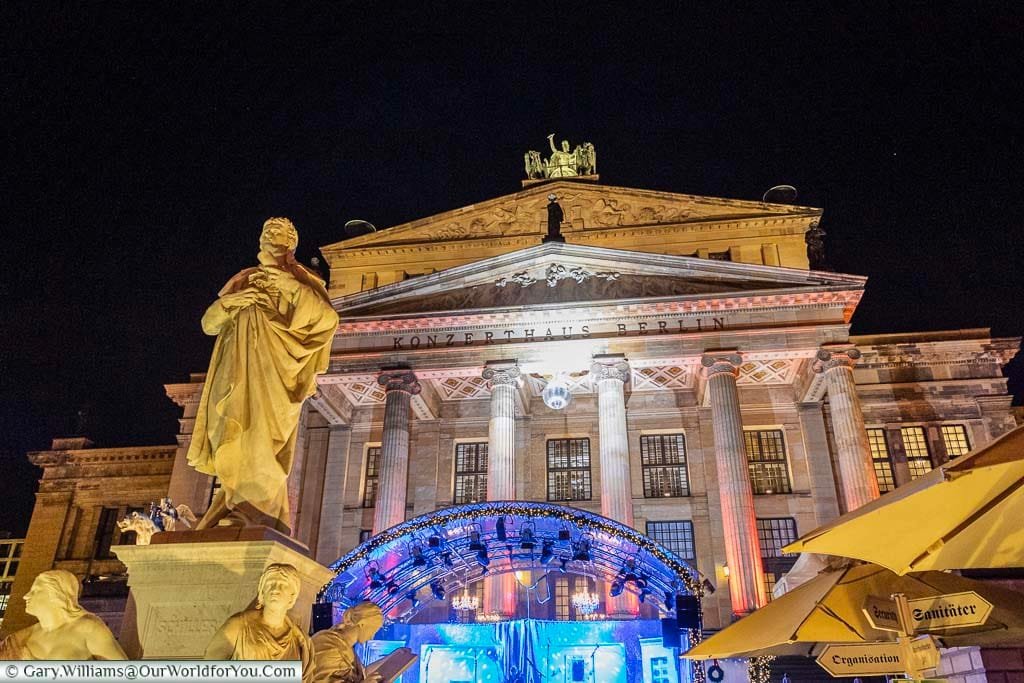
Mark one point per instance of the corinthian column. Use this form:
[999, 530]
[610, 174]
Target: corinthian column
[399, 387]
[610, 374]
[853, 454]
[503, 377]
[742, 550]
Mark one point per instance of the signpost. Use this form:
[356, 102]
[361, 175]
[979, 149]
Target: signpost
[911, 655]
[953, 610]
[882, 614]
[862, 659]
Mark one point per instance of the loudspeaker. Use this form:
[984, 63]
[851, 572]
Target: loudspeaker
[670, 633]
[323, 616]
[688, 611]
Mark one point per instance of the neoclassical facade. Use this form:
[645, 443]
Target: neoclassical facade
[673, 364]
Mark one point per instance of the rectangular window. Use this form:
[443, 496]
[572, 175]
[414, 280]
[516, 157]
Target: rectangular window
[569, 469]
[916, 447]
[663, 459]
[562, 598]
[5, 596]
[364, 535]
[105, 534]
[955, 438]
[371, 476]
[774, 534]
[676, 536]
[880, 457]
[766, 455]
[470, 473]
[369, 281]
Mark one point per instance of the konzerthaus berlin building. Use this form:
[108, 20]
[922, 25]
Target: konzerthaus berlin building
[674, 364]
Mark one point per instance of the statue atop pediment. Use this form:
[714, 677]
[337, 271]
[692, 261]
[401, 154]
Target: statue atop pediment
[562, 163]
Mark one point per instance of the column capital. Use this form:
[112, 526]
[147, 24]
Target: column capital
[502, 372]
[399, 380]
[828, 358]
[721, 362]
[613, 366]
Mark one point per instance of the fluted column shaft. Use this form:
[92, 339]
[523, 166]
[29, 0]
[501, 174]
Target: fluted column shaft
[393, 477]
[503, 377]
[853, 453]
[742, 549]
[610, 375]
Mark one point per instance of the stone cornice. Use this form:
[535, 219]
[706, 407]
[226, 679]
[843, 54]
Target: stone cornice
[102, 456]
[612, 310]
[184, 394]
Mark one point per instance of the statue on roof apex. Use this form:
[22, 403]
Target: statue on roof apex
[582, 161]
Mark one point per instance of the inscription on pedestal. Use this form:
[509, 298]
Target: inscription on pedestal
[173, 629]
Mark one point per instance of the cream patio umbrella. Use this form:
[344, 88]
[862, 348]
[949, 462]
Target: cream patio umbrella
[829, 609]
[966, 514]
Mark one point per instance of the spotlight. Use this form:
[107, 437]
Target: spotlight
[641, 582]
[481, 557]
[418, 560]
[375, 577]
[563, 563]
[643, 595]
[392, 587]
[527, 541]
[547, 552]
[474, 540]
[411, 597]
[436, 589]
[708, 587]
[564, 534]
[446, 558]
[434, 541]
[617, 586]
[670, 599]
[499, 526]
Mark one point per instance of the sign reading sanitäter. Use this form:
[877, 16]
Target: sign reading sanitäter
[862, 659]
[953, 610]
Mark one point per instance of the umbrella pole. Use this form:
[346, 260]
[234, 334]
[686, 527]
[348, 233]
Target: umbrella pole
[906, 637]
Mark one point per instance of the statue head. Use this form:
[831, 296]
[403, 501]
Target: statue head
[565, 145]
[279, 237]
[279, 587]
[364, 619]
[54, 597]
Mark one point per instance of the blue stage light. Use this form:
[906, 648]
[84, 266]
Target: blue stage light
[499, 526]
[436, 589]
[418, 559]
[617, 586]
[547, 552]
[411, 597]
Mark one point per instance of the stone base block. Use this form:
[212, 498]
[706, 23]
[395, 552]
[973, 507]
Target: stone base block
[183, 588]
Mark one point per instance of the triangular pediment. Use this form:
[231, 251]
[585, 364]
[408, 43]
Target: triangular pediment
[587, 207]
[558, 274]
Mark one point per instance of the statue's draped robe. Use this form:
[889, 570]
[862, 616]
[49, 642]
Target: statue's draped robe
[256, 642]
[336, 661]
[263, 367]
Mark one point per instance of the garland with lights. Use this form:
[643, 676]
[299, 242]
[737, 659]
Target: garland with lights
[671, 571]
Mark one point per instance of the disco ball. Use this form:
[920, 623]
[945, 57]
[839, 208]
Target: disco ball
[556, 394]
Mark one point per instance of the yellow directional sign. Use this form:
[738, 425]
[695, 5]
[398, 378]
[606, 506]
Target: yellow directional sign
[953, 610]
[924, 653]
[862, 659]
[882, 614]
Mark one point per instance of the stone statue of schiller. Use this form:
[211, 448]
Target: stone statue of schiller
[274, 325]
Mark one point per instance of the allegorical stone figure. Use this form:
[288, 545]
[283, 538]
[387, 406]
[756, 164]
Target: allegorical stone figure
[266, 631]
[65, 630]
[274, 325]
[334, 648]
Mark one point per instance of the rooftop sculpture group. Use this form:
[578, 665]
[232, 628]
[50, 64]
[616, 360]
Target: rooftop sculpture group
[562, 163]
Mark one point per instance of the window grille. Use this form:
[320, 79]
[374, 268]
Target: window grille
[881, 460]
[470, 473]
[663, 460]
[677, 536]
[915, 445]
[371, 478]
[569, 469]
[766, 455]
[955, 438]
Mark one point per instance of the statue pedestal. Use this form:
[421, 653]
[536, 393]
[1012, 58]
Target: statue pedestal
[187, 583]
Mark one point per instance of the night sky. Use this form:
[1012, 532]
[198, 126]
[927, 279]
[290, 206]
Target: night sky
[145, 143]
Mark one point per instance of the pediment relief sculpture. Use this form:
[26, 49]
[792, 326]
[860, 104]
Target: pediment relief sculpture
[558, 284]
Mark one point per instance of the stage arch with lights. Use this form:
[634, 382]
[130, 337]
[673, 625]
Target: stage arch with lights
[408, 566]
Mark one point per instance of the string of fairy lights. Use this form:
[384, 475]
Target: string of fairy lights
[445, 549]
